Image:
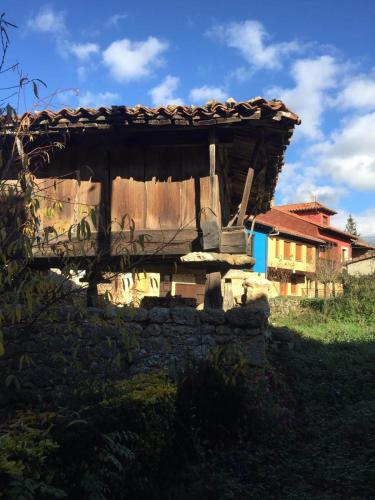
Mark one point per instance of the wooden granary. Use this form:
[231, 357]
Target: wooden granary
[188, 177]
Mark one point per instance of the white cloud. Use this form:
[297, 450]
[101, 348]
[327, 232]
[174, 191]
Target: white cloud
[207, 93]
[48, 20]
[92, 99]
[358, 93]
[115, 19]
[253, 42]
[83, 51]
[164, 92]
[314, 79]
[349, 155]
[128, 60]
[300, 183]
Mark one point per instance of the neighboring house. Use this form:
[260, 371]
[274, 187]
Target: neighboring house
[305, 253]
[292, 249]
[363, 265]
[361, 248]
[337, 243]
[259, 246]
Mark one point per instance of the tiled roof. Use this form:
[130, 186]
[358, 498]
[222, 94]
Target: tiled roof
[317, 224]
[211, 113]
[359, 243]
[306, 207]
[366, 256]
[287, 223]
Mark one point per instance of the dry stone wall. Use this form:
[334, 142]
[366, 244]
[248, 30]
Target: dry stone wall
[98, 345]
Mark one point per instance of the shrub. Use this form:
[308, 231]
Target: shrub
[116, 444]
[217, 398]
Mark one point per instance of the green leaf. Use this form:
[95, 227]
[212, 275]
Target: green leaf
[94, 218]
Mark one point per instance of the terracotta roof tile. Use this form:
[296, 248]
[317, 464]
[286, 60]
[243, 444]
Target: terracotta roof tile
[211, 113]
[290, 224]
[306, 207]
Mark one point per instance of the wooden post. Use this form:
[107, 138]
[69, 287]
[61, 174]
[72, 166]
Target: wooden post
[245, 196]
[212, 294]
[92, 290]
[212, 149]
[248, 183]
[209, 218]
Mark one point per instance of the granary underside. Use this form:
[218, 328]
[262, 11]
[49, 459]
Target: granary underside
[187, 177]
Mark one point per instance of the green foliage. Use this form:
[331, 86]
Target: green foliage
[27, 455]
[356, 304]
[218, 398]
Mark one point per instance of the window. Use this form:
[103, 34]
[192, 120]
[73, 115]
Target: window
[325, 220]
[287, 246]
[310, 258]
[344, 254]
[277, 249]
[299, 252]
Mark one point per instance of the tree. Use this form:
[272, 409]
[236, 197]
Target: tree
[351, 226]
[329, 272]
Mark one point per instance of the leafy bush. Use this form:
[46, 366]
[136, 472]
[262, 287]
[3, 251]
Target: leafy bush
[357, 302]
[218, 397]
[114, 445]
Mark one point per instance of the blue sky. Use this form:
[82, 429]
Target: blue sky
[317, 56]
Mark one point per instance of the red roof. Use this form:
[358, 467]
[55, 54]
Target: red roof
[291, 224]
[322, 208]
[310, 206]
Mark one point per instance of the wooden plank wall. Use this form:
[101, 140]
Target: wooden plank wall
[59, 182]
[157, 186]
[162, 188]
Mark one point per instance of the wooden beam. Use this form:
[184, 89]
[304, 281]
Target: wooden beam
[209, 222]
[245, 195]
[212, 149]
[248, 183]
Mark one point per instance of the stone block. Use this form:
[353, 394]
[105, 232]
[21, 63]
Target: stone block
[207, 329]
[251, 315]
[134, 314]
[153, 330]
[212, 316]
[224, 330]
[159, 315]
[184, 315]
[248, 332]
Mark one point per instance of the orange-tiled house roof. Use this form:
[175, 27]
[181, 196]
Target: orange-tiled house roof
[307, 207]
[287, 223]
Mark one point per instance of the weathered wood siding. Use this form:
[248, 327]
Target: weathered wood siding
[163, 189]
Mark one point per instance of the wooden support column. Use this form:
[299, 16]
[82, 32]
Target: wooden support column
[209, 220]
[245, 196]
[212, 295]
[212, 149]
